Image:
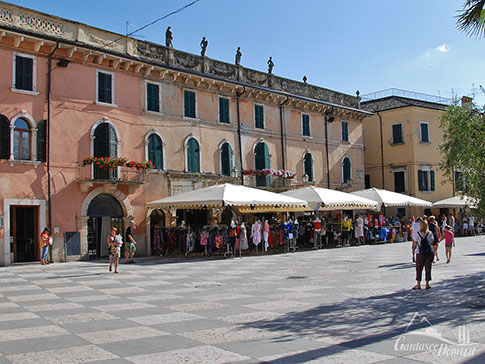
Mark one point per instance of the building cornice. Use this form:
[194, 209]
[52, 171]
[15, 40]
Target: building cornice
[82, 43]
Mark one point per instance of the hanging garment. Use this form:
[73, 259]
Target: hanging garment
[157, 241]
[256, 233]
[204, 237]
[243, 238]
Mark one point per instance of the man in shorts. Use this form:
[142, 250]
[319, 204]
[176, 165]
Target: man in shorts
[130, 248]
[471, 224]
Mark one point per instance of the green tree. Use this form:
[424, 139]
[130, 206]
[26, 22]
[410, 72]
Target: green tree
[471, 19]
[463, 148]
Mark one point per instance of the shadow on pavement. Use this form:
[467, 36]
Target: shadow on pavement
[358, 322]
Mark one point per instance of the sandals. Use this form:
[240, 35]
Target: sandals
[428, 287]
[416, 287]
[110, 269]
[117, 272]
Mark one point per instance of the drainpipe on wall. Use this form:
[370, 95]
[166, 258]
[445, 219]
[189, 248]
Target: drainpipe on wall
[283, 131]
[238, 95]
[327, 113]
[382, 150]
[48, 140]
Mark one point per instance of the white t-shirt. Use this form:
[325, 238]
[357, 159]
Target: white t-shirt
[471, 221]
[415, 227]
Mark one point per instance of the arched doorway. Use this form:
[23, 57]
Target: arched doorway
[104, 212]
[157, 238]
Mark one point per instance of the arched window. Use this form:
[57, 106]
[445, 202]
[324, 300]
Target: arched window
[346, 170]
[155, 151]
[193, 156]
[262, 161]
[21, 140]
[226, 159]
[105, 145]
[4, 137]
[41, 141]
[308, 163]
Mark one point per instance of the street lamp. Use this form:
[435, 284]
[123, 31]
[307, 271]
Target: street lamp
[235, 173]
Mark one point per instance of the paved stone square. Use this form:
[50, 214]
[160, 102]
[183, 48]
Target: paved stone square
[349, 305]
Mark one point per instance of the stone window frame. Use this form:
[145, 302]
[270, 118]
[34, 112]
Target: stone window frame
[113, 94]
[160, 93]
[34, 91]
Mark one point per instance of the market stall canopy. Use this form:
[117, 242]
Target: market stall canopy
[324, 199]
[391, 199]
[241, 197]
[457, 202]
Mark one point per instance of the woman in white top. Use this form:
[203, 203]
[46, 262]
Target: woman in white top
[359, 230]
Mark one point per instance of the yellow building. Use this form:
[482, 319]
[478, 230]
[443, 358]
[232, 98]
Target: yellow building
[401, 144]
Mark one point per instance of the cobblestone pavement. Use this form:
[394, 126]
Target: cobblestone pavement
[349, 305]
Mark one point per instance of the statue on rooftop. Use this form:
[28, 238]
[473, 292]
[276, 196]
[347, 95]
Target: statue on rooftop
[270, 65]
[238, 56]
[169, 38]
[203, 45]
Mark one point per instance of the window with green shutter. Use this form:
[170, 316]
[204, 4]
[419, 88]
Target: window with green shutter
[153, 97]
[426, 180]
[4, 137]
[189, 104]
[226, 159]
[305, 127]
[399, 182]
[24, 70]
[155, 151]
[262, 161]
[345, 131]
[432, 180]
[347, 170]
[308, 162]
[397, 134]
[193, 156]
[105, 88]
[259, 116]
[223, 110]
[424, 133]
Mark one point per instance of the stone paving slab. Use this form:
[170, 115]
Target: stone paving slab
[349, 305]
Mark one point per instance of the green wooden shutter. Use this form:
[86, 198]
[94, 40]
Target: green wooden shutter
[4, 138]
[347, 170]
[432, 177]
[104, 88]
[424, 133]
[193, 156]
[189, 104]
[155, 151]
[153, 97]
[223, 110]
[309, 166]
[259, 116]
[24, 73]
[226, 159]
[421, 180]
[306, 125]
[262, 161]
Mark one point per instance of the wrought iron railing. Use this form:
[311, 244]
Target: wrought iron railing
[117, 175]
[268, 182]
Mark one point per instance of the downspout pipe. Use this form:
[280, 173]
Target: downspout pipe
[327, 113]
[238, 95]
[382, 150]
[48, 140]
[283, 131]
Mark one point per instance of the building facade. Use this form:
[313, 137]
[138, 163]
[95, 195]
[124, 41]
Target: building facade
[401, 141]
[70, 92]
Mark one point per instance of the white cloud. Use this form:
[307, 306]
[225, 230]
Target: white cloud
[442, 48]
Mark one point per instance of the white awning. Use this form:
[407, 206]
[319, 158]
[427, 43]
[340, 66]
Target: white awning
[227, 194]
[457, 202]
[391, 199]
[324, 199]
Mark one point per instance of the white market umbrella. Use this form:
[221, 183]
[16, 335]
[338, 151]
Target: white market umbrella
[457, 202]
[324, 199]
[247, 198]
[391, 199]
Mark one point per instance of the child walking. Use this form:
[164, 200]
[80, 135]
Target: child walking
[449, 242]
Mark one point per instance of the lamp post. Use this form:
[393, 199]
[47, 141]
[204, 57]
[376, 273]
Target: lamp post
[235, 173]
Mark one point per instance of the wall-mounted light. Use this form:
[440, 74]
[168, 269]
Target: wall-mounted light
[305, 178]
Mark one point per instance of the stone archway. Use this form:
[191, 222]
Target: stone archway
[125, 206]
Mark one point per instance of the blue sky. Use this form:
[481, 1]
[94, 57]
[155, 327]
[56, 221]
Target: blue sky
[342, 45]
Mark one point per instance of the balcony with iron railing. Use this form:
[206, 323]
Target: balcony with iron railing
[270, 183]
[89, 175]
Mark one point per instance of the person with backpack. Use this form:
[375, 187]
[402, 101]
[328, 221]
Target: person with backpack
[426, 255]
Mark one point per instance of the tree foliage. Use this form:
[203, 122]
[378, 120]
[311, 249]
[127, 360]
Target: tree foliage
[471, 19]
[463, 148]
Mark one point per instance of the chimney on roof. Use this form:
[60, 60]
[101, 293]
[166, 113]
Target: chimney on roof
[466, 101]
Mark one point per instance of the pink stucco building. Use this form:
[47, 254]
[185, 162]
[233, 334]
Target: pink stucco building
[69, 91]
